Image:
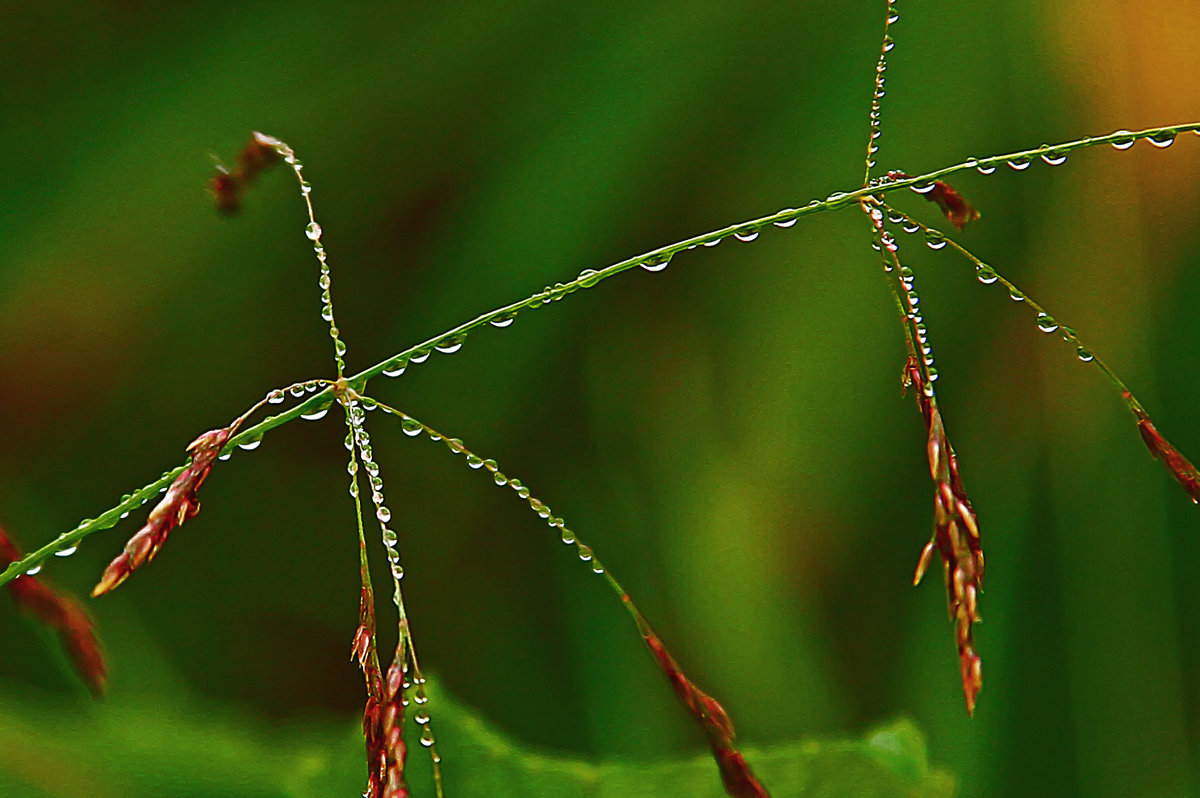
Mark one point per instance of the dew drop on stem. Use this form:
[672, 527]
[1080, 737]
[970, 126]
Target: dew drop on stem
[986, 274]
[313, 231]
[746, 235]
[660, 262]
[1046, 323]
[1162, 140]
[1054, 158]
[395, 367]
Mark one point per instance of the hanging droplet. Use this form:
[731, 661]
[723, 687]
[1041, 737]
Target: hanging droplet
[1046, 323]
[1019, 164]
[251, 445]
[474, 461]
[584, 552]
[746, 235]
[1054, 158]
[656, 263]
[934, 239]
[587, 278]
[786, 222]
[34, 571]
[275, 397]
[420, 356]
[1163, 140]
[389, 537]
[395, 367]
[985, 169]
[411, 427]
[1124, 142]
[67, 552]
[1084, 355]
[568, 536]
[504, 321]
[923, 188]
[448, 346]
[383, 514]
[315, 415]
[986, 274]
[427, 737]
[1016, 295]
[397, 571]
[888, 44]
[500, 479]
[313, 231]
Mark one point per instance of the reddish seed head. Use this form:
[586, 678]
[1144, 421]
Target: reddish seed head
[954, 206]
[61, 613]
[177, 505]
[1180, 467]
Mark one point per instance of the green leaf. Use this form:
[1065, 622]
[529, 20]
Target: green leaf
[133, 747]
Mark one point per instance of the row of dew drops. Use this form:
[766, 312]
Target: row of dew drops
[590, 277]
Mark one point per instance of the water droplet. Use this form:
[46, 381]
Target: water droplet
[1016, 295]
[657, 263]
[713, 242]
[1124, 142]
[313, 231]
[504, 321]
[251, 444]
[1019, 164]
[568, 536]
[587, 278]
[1046, 324]
[427, 737]
[383, 514]
[934, 239]
[888, 44]
[1054, 158]
[985, 169]
[1084, 355]
[315, 415]
[323, 282]
[389, 537]
[296, 390]
[419, 356]
[1162, 140]
[339, 346]
[449, 346]
[411, 427]
[327, 313]
[500, 479]
[474, 461]
[584, 552]
[397, 571]
[746, 235]
[786, 222]
[67, 552]
[986, 274]
[34, 571]
[395, 368]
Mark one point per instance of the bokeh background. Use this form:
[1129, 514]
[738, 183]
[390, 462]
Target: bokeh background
[729, 434]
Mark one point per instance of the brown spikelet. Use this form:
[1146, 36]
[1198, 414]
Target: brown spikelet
[1180, 467]
[177, 505]
[955, 537]
[229, 186]
[736, 775]
[61, 613]
[954, 206]
[393, 724]
[363, 650]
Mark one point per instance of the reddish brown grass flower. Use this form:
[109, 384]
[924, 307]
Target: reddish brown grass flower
[363, 650]
[61, 613]
[1180, 467]
[955, 538]
[178, 505]
[228, 186]
[393, 725]
[736, 775]
[954, 206]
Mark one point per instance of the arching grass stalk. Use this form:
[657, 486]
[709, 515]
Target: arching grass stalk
[501, 316]
[738, 778]
[1178, 465]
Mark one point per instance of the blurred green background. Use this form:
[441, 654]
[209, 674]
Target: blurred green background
[728, 434]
